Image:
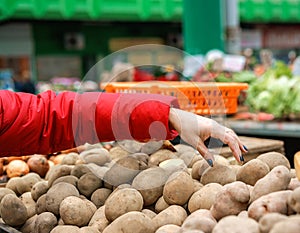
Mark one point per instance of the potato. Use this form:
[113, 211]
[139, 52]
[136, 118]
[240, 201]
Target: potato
[131, 146]
[123, 171]
[38, 189]
[221, 160]
[197, 185]
[190, 157]
[12, 184]
[173, 165]
[123, 201]
[178, 188]
[161, 205]
[58, 171]
[198, 168]
[29, 225]
[26, 182]
[67, 179]
[276, 202]
[99, 156]
[200, 220]
[99, 196]
[150, 184]
[57, 193]
[151, 147]
[39, 164]
[274, 159]
[88, 183]
[45, 222]
[205, 197]
[87, 229]
[70, 159]
[13, 211]
[40, 206]
[142, 158]
[219, 173]
[267, 221]
[130, 222]
[169, 228]
[4, 191]
[294, 200]
[118, 152]
[99, 219]
[234, 224]
[182, 148]
[98, 171]
[290, 225]
[161, 155]
[151, 214]
[294, 183]
[231, 200]
[29, 203]
[174, 214]
[252, 171]
[74, 211]
[80, 169]
[277, 179]
[65, 228]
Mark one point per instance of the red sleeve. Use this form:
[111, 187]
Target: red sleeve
[48, 123]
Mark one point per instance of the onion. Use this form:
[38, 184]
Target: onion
[38, 164]
[17, 168]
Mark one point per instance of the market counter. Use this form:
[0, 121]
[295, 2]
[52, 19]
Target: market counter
[256, 146]
[288, 132]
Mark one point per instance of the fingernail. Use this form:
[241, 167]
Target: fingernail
[245, 148]
[242, 158]
[210, 162]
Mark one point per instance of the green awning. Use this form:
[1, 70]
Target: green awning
[269, 11]
[138, 10]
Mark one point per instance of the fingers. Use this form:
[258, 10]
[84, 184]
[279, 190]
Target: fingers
[235, 144]
[204, 152]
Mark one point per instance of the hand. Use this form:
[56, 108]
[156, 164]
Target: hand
[195, 129]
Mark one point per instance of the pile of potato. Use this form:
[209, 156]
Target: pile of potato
[153, 188]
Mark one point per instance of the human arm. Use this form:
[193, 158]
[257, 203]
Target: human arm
[50, 122]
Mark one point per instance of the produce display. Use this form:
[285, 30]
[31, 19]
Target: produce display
[153, 187]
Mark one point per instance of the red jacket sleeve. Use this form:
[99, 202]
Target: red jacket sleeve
[47, 123]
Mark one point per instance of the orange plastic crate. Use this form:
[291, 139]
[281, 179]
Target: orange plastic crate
[202, 98]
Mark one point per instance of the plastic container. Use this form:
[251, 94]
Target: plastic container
[201, 98]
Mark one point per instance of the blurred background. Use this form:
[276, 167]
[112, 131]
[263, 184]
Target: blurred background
[41, 40]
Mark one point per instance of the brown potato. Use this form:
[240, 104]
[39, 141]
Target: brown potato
[74, 211]
[277, 179]
[57, 193]
[205, 197]
[123, 201]
[45, 222]
[38, 189]
[133, 221]
[100, 195]
[219, 173]
[29, 203]
[13, 211]
[174, 214]
[99, 219]
[150, 184]
[274, 159]
[178, 188]
[252, 171]
[88, 183]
